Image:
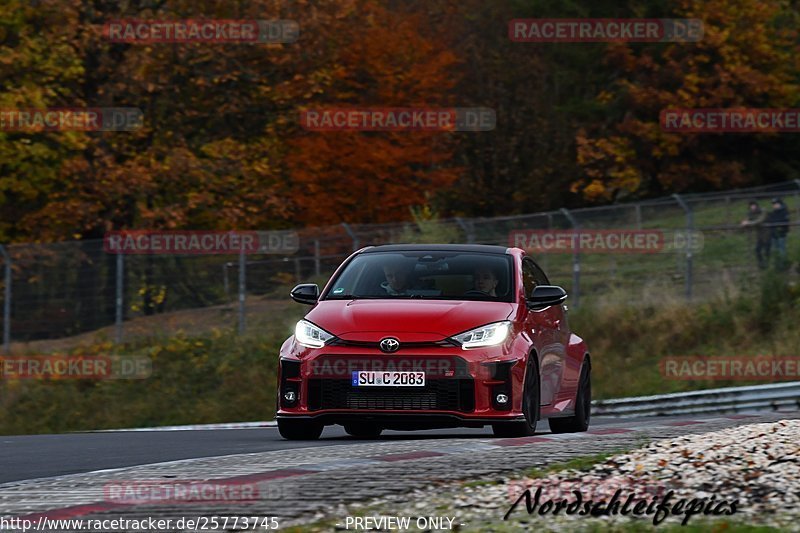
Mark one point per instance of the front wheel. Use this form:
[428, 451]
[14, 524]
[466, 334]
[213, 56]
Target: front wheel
[299, 429]
[530, 408]
[583, 407]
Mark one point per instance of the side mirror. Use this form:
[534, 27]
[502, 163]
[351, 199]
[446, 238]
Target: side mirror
[546, 295]
[305, 293]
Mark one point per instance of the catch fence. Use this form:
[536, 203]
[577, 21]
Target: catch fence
[58, 290]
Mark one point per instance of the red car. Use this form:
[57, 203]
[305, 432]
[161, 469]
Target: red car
[429, 336]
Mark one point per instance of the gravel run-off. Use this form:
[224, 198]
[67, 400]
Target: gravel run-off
[757, 466]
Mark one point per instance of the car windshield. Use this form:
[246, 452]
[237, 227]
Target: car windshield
[426, 275]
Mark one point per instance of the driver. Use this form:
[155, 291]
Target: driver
[485, 281]
[398, 278]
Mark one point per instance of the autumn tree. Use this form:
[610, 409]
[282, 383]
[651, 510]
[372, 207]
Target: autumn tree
[746, 58]
[541, 93]
[379, 59]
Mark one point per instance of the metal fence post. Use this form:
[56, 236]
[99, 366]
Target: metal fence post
[353, 236]
[576, 259]
[242, 287]
[545, 258]
[727, 209]
[225, 282]
[797, 195]
[6, 302]
[689, 231]
[467, 231]
[120, 298]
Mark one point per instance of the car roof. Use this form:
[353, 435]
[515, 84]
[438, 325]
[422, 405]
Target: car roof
[482, 248]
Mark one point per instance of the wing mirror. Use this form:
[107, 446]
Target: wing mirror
[546, 295]
[305, 293]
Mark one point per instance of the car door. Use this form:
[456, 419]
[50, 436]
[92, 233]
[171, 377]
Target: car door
[569, 369]
[545, 326]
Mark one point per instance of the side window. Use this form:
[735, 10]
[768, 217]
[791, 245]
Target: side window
[539, 276]
[528, 277]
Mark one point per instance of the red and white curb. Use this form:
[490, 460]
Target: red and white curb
[468, 447]
[273, 423]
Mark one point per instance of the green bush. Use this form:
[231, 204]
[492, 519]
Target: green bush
[628, 342]
[217, 378]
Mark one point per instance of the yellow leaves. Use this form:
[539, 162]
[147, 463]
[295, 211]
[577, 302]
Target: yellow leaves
[605, 97]
[609, 165]
[746, 58]
[594, 190]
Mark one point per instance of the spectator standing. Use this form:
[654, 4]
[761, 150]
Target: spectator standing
[778, 223]
[755, 219]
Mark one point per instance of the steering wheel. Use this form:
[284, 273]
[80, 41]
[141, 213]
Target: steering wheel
[476, 292]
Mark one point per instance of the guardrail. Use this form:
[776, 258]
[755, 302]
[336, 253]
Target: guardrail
[771, 397]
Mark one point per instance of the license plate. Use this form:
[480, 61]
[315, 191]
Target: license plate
[365, 378]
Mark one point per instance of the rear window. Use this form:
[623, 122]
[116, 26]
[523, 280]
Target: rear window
[426, 275]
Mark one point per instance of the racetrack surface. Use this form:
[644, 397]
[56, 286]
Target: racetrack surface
[37, 456]
[298, 481]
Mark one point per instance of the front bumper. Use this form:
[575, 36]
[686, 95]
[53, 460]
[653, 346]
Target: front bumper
[404, 421]
[461, 387]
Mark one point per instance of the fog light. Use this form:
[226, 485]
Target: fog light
[289, 396]
[502, 399]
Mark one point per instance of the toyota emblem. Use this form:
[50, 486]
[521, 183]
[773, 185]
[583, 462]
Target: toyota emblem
[389, 345]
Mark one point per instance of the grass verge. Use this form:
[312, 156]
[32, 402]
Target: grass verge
[214, 378]
[628, 342]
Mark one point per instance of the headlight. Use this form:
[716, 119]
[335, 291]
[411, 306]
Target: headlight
[307, 334]
[488, 335]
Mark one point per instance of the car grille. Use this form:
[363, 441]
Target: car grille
[439, 394]
[446, 343]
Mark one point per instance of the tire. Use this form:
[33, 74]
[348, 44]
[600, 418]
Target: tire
[363, 430]
[530, 408]
[299, 429]
[583, 407]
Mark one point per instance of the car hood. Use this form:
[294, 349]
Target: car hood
[416, 318]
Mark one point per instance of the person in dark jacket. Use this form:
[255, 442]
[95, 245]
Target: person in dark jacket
[755, 219]
[778, 222]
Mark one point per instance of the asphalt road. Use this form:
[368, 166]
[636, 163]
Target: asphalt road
[26, 457]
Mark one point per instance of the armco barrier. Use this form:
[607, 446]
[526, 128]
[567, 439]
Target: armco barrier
[771, 397]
